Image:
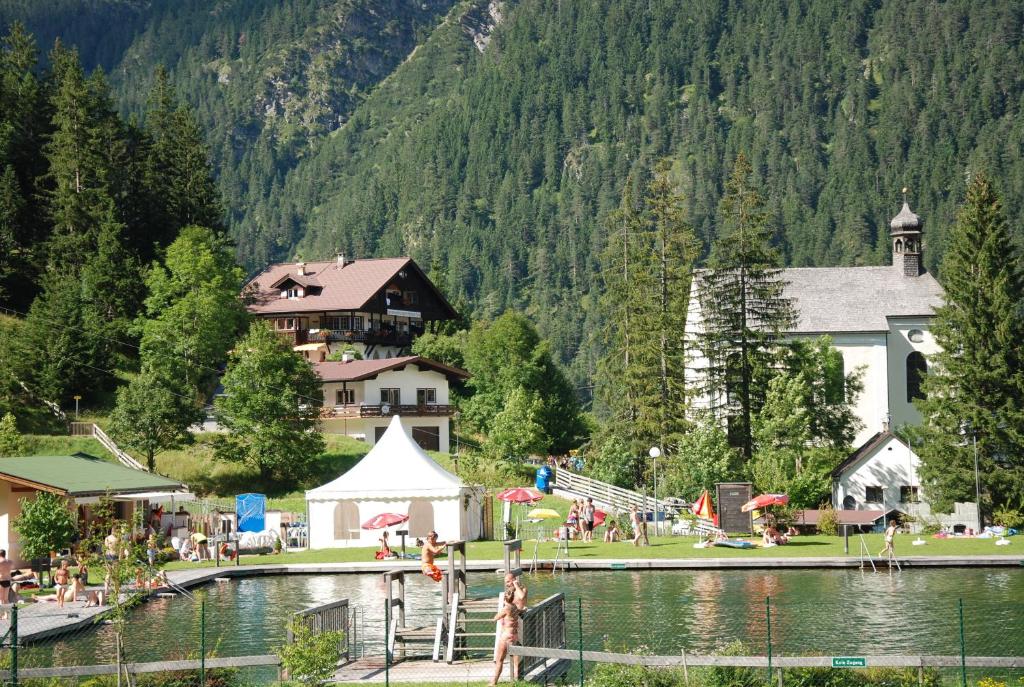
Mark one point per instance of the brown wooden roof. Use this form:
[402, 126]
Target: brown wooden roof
[349, 287]
[358, 370]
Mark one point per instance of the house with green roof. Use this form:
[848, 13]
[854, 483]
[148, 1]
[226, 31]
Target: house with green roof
[83, 479]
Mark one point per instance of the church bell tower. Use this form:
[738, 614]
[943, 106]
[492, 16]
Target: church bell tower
[907, 229]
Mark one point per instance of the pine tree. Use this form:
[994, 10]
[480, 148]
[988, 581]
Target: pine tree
[743, 310]
[975, 384]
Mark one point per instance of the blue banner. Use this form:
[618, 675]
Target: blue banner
[251, 510]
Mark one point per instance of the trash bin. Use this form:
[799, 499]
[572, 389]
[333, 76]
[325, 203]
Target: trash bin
[544, 474]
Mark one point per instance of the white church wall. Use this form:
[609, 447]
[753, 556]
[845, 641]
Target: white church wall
[867, 351]
[900, 346]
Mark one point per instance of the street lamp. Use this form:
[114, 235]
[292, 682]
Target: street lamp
[654, 453]
[77, 399]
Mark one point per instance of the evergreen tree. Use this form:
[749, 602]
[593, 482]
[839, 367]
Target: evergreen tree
[742, 308]
[270, 407]
[974, 387]
[11, 441]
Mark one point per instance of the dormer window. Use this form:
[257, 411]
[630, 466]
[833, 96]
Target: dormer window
[293, 292]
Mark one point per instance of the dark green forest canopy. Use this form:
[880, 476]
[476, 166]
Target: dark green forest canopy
[497, 167]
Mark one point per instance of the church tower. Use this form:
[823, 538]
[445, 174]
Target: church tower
[906, 241]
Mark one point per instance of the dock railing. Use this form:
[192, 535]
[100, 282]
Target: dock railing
[541, 627]
[329, 617]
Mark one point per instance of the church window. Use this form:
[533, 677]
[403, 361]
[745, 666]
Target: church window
[915, 335]
[917, 366]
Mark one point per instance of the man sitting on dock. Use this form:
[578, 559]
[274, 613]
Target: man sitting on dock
[431, 548]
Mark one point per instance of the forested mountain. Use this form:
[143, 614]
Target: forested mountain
[494, 151]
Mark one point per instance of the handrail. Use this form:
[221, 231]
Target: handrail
[109, 444]
[328, 617]
[615, 497]
[543, 627]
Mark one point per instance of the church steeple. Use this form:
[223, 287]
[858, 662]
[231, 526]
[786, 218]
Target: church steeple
[907, 229]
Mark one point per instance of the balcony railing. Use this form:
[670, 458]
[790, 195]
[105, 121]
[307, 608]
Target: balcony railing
[384, 410]
[378, 337]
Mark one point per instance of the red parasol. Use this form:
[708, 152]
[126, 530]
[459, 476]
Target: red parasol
[763, 501]
[379, 522]
[599, 516]
[520, 495]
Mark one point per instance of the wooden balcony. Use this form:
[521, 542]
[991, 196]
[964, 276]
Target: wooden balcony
[377, 337]
[382, 410]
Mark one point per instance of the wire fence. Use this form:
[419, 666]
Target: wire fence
[562, 638]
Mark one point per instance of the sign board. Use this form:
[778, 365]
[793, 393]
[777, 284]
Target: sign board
[849, 662]
[411, 314]
[252, 511]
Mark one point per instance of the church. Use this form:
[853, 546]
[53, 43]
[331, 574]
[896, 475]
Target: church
[879, 319]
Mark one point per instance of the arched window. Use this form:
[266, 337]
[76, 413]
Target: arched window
[899, 245]
[917, 366]
[346, 520]
[421, 518]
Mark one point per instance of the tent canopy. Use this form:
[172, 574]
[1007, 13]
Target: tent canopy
[395, 468]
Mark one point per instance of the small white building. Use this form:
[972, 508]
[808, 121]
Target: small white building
[361, 397]
[883, 475]
[396, 476]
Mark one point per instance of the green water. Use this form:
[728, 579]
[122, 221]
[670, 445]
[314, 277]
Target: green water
[843, 612]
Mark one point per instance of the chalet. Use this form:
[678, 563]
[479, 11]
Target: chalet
[367, 313]
[361, 396]
[375, 307]
[84, 480]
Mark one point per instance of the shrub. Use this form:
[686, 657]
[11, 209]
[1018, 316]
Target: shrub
[617, 675]
[1008, 517]
[45, 524]
[828, 521]
[311, 658]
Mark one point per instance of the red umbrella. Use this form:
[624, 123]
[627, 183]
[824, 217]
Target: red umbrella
[763, 501]
[379, 522]
[599, 516]
[520, 495]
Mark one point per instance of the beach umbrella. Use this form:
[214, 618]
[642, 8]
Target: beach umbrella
[379, 522]
[520, 495]
[763, 501]
[704, 509]
[599, 516]
[543, 514]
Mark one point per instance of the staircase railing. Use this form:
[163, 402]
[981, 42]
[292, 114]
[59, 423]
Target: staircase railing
[109, 444]
[615, 497]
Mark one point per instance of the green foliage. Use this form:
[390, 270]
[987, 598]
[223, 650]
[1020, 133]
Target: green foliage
[11, 441]
[444, 348]
[612, 460]
[271, 405]
[311, 658]
[45, 524]
[1008, 517]
[702, 458]
[616, 675]
[828, 521]
[516, 431]
[508, 354]
[975, 383]
[153, 414]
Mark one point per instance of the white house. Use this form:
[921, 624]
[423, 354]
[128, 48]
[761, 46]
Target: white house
[396, 476]
[879, 318]
[883, 475]
[361, 397]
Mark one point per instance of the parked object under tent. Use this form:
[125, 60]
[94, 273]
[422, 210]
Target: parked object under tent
[396, 476]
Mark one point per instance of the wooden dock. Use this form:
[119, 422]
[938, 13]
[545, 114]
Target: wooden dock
[371, 669]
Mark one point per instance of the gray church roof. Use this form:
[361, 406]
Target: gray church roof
[857, 299]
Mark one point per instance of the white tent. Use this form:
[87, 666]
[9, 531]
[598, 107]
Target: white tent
[396, 476]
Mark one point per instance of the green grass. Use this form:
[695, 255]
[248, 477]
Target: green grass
[56, 445]
[668, 547]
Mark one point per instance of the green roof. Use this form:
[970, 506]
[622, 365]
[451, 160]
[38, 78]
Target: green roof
[83, 475]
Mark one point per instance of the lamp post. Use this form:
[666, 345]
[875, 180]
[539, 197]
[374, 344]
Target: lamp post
[977, 482]
[77, 399]
[654, 453]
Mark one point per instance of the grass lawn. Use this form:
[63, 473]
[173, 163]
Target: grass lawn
[667, 547]
[55, 445]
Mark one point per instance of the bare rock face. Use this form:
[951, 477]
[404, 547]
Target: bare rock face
[479, 22]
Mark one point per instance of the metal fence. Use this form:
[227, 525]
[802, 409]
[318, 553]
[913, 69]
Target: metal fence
[601, 642]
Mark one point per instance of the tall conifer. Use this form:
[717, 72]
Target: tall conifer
[743, 309]
[975, 384]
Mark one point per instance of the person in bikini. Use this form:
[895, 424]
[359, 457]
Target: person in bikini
[431, 548]
[509, 618]
[514, 586]
[62, 581]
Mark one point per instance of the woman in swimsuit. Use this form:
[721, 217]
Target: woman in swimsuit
[61, 581]
[509, 617]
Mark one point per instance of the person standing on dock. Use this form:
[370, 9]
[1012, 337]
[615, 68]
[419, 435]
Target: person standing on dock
[431, 548]
[509, 618]
[514, 586]
[890, 534]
